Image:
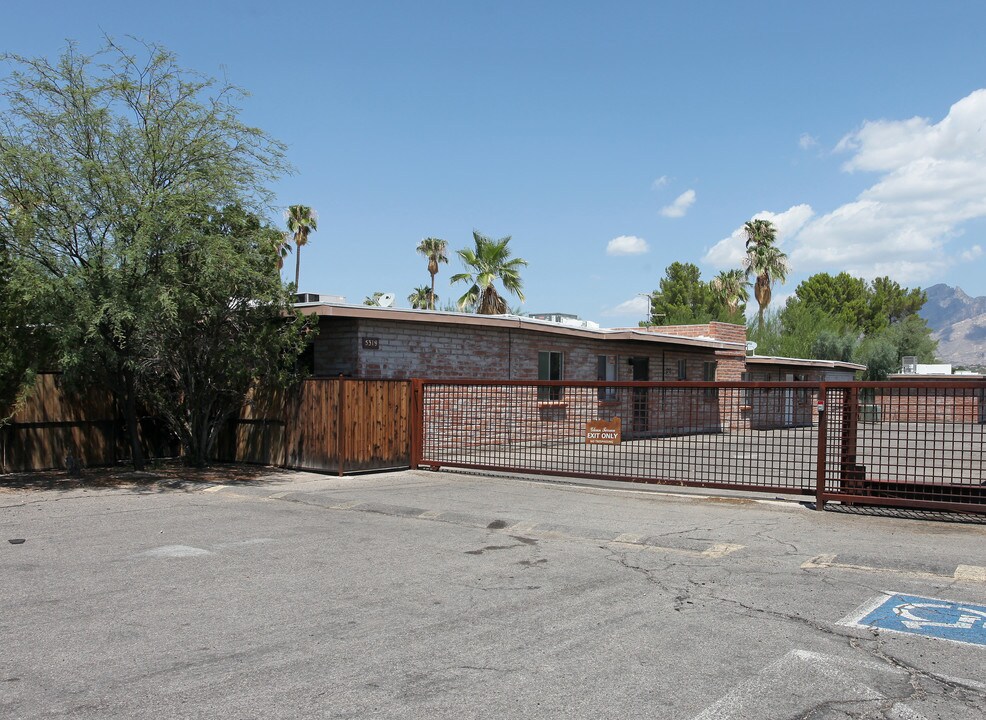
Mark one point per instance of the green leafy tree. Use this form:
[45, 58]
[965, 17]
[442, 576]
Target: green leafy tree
[373, 300]
[434, 249]
[882, 352]
[423, 298]
[842, 297]
[108, 160]
[221, 322]
[834, 345]
[489, 261]
[23, 350]
[764, 261]
[683, 298]
[302, 222]
[891, 303]
[792, 331]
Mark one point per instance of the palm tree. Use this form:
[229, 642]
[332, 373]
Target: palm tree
[764, 261]
[423, 298]
[434, 250]
[729, 288]
[302, 221]
[489, 261]
[373, 300]
[282, 248]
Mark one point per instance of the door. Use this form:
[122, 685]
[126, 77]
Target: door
[641, 373]
[789, 402]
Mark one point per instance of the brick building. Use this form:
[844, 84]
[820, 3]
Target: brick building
[374, 342]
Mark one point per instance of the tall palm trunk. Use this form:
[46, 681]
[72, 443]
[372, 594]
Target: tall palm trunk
[761, 290]
[297, 269]
[431, 298]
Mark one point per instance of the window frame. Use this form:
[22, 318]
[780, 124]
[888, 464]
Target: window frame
[549, 368]
[607, 371]
[710, 393]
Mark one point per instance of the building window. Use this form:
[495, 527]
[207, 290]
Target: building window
[682, 369]
[550, 368]
[606, 370]
[709, 375]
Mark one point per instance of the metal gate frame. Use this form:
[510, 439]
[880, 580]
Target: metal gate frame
[891, 451]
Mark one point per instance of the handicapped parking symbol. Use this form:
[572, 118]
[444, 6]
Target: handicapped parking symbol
[966, 620]
[929, 617]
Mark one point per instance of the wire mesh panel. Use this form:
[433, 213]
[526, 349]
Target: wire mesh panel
[906, 444]
[760, 436]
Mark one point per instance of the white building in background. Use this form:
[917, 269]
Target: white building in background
[910, 366]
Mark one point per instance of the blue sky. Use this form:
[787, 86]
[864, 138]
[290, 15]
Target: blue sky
[608, 139]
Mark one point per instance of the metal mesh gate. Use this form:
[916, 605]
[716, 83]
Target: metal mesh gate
[878, 443]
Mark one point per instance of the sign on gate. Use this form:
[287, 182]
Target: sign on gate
[931, 617]
[601, 432]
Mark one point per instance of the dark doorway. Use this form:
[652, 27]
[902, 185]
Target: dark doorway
[641, 373]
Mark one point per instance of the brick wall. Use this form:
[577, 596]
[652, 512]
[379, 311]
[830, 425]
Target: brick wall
[944, 405]
[433, 350]
[335, 347]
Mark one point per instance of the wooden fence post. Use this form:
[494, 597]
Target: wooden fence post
[340, 427]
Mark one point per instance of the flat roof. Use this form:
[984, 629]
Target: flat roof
[802, 362]
[445, 317]
[917, 377]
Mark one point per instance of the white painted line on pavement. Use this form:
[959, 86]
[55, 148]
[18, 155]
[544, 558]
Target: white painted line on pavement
[715, 551]
[798, 681]
[966, 573]
[970, 573]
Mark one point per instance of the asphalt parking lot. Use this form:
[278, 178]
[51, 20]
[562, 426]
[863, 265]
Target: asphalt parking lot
[442, 595]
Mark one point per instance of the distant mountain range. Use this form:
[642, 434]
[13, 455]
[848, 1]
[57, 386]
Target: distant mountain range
[958, 323]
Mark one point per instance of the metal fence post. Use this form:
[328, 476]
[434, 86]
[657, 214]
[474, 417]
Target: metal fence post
[822, 449]
[416, 436]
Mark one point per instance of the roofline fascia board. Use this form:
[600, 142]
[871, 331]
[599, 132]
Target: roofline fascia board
[507, 321]
[804, 362]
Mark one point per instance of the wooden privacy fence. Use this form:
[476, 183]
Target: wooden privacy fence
[54, 424]
[335, 425]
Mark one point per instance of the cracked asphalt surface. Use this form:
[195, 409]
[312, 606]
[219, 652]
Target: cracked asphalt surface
[440, 595]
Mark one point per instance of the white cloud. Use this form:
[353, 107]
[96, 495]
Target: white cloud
[680, 205]
[637, 306]
[626, 245]
[728, 252]
[932, 179]
[660, 182]
[806, 141]
[973, 253]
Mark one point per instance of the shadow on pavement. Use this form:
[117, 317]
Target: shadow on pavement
[161, 477]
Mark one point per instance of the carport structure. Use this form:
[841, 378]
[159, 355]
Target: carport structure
[908, 444]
